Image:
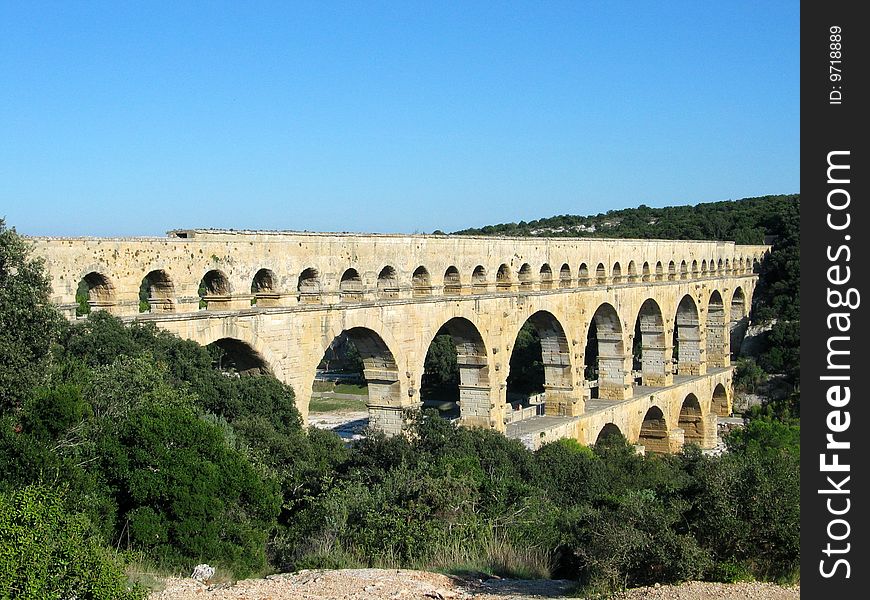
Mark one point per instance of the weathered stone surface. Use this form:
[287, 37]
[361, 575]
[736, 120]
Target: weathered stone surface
[393, 293]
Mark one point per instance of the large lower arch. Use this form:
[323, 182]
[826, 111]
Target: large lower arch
[542, 357]
[95, 292]
[609, 434]
[156, 292]
[475, 407]
[606, 359]
[654, 351]
[720, 404]
[690, 355]
[738, 322]
[381, 375]
[236, 356]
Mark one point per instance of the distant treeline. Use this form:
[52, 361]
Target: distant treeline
[745, 221]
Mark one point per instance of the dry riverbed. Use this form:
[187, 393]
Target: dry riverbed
[392, 584]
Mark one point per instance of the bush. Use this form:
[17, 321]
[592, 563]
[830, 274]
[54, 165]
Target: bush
[45, 552]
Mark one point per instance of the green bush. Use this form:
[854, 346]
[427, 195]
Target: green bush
[46, 552]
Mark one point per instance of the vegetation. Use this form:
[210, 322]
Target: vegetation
[124, 441]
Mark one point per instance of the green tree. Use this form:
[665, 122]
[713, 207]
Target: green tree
[29, 324]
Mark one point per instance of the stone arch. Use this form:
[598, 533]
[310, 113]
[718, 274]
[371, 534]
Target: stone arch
[238, 356]
[610, 430]
[600, 274]
[555, 359]
[565, 276]
[695, 268]
[478, 279]
[605, 357]
[660, 271]
[388, 283]
[654, 434]
[95, 292]
[525, 277]
[421, 283]
[720, 404]
[632, 271]
[156, 292]
[474, 378]
[739, 320]
[350, 287]
[704, 267]
[717, 332]
[728, 266]
[221, 329]
[646, 272]
[583, 275]
[546, 277]
[264, 288]
[616, 273]
[654, 351]
[692, 422]
[452, 282]
[756, 265]
[214, 290]
[503, 279]
[684, 270]
[381, 374]
[720, 267]
[690, 357]
[308, 286]
[672, 271]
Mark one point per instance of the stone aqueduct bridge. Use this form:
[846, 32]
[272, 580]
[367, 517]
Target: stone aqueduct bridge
[287, 296]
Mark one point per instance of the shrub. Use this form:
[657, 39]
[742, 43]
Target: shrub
[45, 552]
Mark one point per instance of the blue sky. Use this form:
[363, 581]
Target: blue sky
[132, 118]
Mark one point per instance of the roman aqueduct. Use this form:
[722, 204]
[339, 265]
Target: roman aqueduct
[287, 296]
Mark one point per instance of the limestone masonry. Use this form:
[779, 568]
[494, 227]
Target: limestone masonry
[286, 296]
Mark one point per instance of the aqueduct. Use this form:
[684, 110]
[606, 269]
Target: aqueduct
[287, 296]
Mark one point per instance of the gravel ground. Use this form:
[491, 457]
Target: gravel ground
[389, 584]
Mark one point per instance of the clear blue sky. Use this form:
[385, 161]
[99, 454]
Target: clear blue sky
[124, 118]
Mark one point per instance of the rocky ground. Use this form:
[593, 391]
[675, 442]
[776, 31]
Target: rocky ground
[389, 584]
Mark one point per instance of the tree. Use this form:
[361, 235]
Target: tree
[29, 324]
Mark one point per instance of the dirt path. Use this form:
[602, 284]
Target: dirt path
[389, 584]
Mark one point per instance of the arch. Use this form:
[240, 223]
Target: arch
[704, 267]
[452, 282]
[646, 272]
[381, 375]
[605, 357]
[388, 283]
[565, 276]
[616, 273]
[654, 432]
[684, 270]
[214, 290]
[739, 321]
[95, 292]
[525, 277]
[473, 366]
[690, 359]
[608, 433]
[660, 271]
[691, 421]
[263, 288]
[546, 277]
[653, 355]
[672, 271]
[600, 274]
[583, 275]
[720, 267]
[232, 355]
[695, 268]
[421, 283]
[503, 279]
[350, 287]
[478, 279]
[728, 266]
[308, 286]
[717, 332]
[742, 266]
[756, 265]
[720, 404]
[156, 292]
[632, 271]
[540, 361]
